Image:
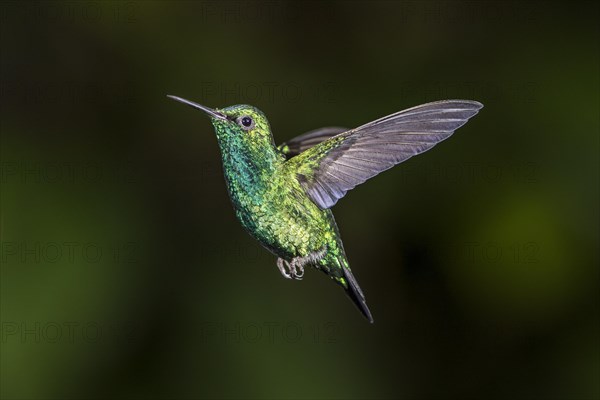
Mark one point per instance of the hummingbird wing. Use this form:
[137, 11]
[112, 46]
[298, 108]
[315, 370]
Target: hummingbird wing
[333, 167]
[300, 143]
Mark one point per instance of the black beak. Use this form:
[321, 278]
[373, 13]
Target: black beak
[197, 106]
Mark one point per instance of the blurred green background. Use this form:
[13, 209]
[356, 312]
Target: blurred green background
[125, 274]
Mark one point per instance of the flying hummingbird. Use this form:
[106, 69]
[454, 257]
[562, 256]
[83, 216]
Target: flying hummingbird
[282, 195]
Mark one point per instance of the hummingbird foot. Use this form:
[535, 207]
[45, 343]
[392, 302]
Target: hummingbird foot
[298, 263]
[294, 269]
[291, 270]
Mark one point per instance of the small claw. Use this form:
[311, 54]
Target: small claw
[300, 273]
[281, 265]
[294, 267]
[286, 275]
[294, 270]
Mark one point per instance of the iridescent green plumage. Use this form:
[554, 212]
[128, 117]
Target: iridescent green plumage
[282, 195]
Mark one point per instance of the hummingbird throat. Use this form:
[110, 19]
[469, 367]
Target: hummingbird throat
[249, 163]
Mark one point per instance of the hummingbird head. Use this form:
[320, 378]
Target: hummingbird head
[239, 123]
[247, 148]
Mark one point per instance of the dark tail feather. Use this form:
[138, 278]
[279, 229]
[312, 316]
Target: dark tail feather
[356, 295]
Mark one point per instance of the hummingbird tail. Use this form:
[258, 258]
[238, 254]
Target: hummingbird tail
[356, 295]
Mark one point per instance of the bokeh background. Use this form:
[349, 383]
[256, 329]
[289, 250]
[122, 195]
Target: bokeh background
[125, 274]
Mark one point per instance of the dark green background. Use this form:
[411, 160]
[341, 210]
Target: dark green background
[125, 273]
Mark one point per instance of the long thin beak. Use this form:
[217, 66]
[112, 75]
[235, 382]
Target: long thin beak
[197, 106]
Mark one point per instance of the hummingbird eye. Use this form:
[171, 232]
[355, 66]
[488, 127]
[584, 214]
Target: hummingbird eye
[246, 122]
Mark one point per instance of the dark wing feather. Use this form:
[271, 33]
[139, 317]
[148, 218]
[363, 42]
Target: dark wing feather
[355, 294]
[333, 167]
[307, 140]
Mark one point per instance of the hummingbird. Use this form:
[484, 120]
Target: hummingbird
[282, 195]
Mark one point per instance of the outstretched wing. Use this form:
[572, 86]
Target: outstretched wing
[330, 169]
[307, 140]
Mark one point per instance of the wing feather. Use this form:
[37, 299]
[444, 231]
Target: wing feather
[338, 162]
[309, 139]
